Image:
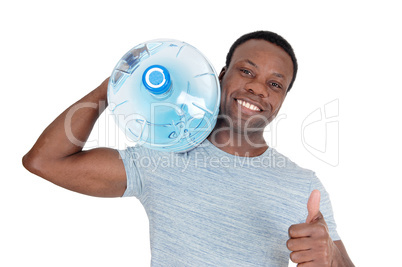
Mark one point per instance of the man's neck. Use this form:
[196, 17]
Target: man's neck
[237, 143]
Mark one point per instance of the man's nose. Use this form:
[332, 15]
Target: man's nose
[257, 88]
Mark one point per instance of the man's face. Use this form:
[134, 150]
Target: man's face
[254, 85]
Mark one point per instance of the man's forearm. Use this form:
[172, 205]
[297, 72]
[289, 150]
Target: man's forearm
[341, 257]
[67, 134]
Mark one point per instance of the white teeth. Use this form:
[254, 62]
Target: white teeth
[248, 105]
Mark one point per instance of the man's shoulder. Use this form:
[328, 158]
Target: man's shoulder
[287, 166]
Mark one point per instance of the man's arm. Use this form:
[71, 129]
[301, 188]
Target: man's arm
[344, 257]
[57, 155]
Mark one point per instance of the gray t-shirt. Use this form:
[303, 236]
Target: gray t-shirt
[210, 208]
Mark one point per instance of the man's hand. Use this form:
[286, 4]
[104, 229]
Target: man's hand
[310, 242]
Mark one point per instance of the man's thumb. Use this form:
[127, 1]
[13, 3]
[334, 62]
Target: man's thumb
[313, 206]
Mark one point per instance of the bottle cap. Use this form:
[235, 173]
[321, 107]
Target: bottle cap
[156, 79]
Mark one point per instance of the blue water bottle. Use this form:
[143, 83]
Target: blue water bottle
[165, 95]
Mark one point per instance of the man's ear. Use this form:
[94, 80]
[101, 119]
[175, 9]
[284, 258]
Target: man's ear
[223, 72]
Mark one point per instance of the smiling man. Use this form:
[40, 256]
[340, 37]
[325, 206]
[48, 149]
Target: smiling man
[254, 84]
[234, 201]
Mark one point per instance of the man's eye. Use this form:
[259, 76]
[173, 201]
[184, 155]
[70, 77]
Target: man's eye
[276, 85]
[247, 72]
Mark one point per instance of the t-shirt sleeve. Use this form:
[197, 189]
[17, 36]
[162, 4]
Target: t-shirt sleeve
[134, 178]
[325, 207]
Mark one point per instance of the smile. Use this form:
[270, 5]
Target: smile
[247, 105]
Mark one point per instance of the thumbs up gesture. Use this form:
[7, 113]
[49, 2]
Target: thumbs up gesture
[310, 242]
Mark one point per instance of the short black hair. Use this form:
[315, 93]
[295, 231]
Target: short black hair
[270, 37]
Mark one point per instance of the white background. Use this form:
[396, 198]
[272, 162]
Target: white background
[54, 52]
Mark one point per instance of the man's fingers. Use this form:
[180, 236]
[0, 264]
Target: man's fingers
[307, 264]
[303, 256]
[300, 230]
[317, 228]
[313, 206]
[297, 244]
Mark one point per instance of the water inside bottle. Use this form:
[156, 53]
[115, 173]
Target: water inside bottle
[176, 120]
